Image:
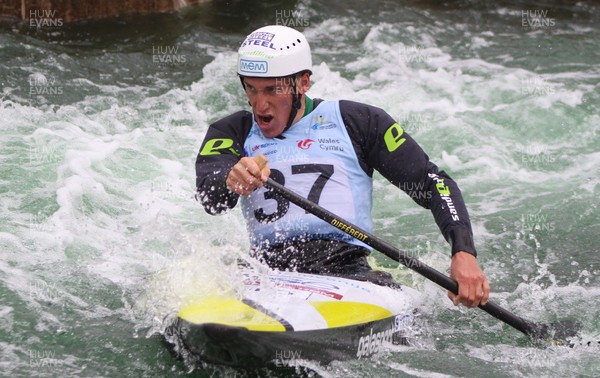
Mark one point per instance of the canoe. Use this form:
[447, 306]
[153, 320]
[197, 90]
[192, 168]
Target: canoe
[280, 318]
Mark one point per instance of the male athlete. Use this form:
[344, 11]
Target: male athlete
[325, 151]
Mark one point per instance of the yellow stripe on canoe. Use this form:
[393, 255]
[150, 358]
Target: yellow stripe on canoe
[341, 314]
[231, 312]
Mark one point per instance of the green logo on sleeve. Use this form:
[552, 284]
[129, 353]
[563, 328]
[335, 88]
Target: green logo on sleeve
[442, 189]
[212, 147]
[393, 137]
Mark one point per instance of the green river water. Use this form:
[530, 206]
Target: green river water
[100, 123]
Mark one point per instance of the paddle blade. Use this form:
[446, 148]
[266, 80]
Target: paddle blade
[561, 332]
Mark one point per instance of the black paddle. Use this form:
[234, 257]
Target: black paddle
[557, 332]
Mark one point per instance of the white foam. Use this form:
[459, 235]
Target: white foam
[185, 280]
[415, 372]
[478, 42]
[115, 197]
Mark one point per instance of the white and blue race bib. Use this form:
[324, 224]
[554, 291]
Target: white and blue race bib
[316, 160]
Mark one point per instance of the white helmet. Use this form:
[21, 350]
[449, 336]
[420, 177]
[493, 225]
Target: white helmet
[274, 51]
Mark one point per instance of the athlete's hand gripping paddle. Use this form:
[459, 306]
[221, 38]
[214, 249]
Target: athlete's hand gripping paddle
[559, 331]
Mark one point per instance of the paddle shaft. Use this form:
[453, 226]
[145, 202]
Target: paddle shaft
[369, 239]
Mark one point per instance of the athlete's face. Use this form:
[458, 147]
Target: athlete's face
[271, 101]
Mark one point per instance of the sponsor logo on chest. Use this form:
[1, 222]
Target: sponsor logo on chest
[327, 144]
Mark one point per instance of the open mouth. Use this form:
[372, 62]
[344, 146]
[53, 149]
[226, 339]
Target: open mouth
[265, 118]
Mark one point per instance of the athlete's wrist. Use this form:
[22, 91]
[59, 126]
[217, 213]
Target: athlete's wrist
[461, 240]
